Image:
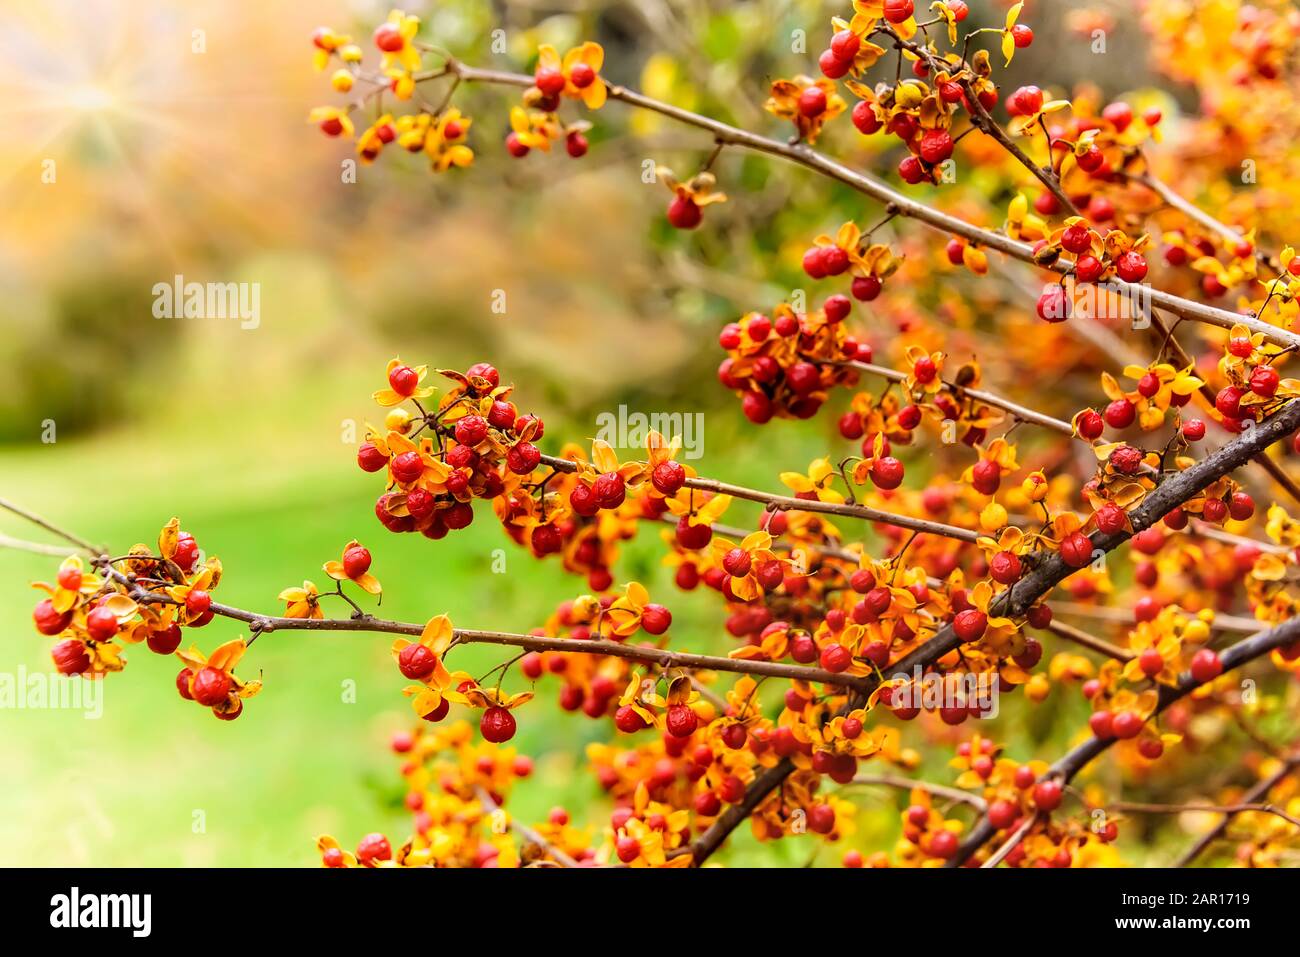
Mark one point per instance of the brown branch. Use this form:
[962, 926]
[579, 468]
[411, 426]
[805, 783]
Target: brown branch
[937, 790]
[1228, 809]
[792, 504]
[1081, 637]
[1021, 412]
[50, 527]
[1259, 790]
[1175, 201]
[1064, 770]
[524, 831]
[803, 155]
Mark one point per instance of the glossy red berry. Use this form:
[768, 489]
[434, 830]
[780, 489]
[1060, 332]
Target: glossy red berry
[668, 477]
[845, 44]
[210, 686]
[1076, 550]
[656, 619]
[1264, 381]
[970, 625]
[388, 37]
[497, 725]
[681, 721]
[1002, 813]
[1047, 795]
[865, 119]
[70, 657]
[627, 720]
[1206, 666]
[1053, 305]
[897, 11]
[374, 847]
[49, 621]
[1021, 35]
[1120, 414]
[1131, 266]
[1193, 430]
[936, 146]
[683, 213]
[886, 473]
[575, 144]
[812, 101]
[101, 623]
[1005, 568]
[416, 661]
[836, 658]
[1228, 401]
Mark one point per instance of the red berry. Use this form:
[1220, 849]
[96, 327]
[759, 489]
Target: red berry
[1194, 430]
[370, 458]
[683, 213]
[1076, 549]
[416, 662]
[734, 736]
[681, 721]
[656, 619]
[1091, 424]
[833, 67]
[911, 170]
[101, 623]
[943, 844]
[1002, 813]
[48, 620]
[845, 44]
[1131, 266]
[1021, 35]
[864, 118]
[1120, 414]
[936, 146]
[403, 380]
[582, 75]
[836, 658]
[896, 11]
[1076, 238]
[812, 101]
[515, 146]
[1102, 724]
[866, 288]
[210, 686]
[374, 847]
[1264, 381]
[71, 657]
[1151, 662]
[1005, 567]
[1119, 113]
[356, 562]
[549, 80]
[388, 38]
[1053, 305]
[1047, 795]
[1127, 725]
[1110, 518]
[521, 459]
[1088, 269]
[886, 473]
[1039, 616]
[1206, 666]
[497, 725]
[1090, 160]
[970, 625]
[627, 720]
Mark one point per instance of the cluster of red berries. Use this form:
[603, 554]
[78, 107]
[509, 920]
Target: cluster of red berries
[783, 366]
[478, 451]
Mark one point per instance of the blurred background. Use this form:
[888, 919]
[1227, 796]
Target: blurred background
[143, 139]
